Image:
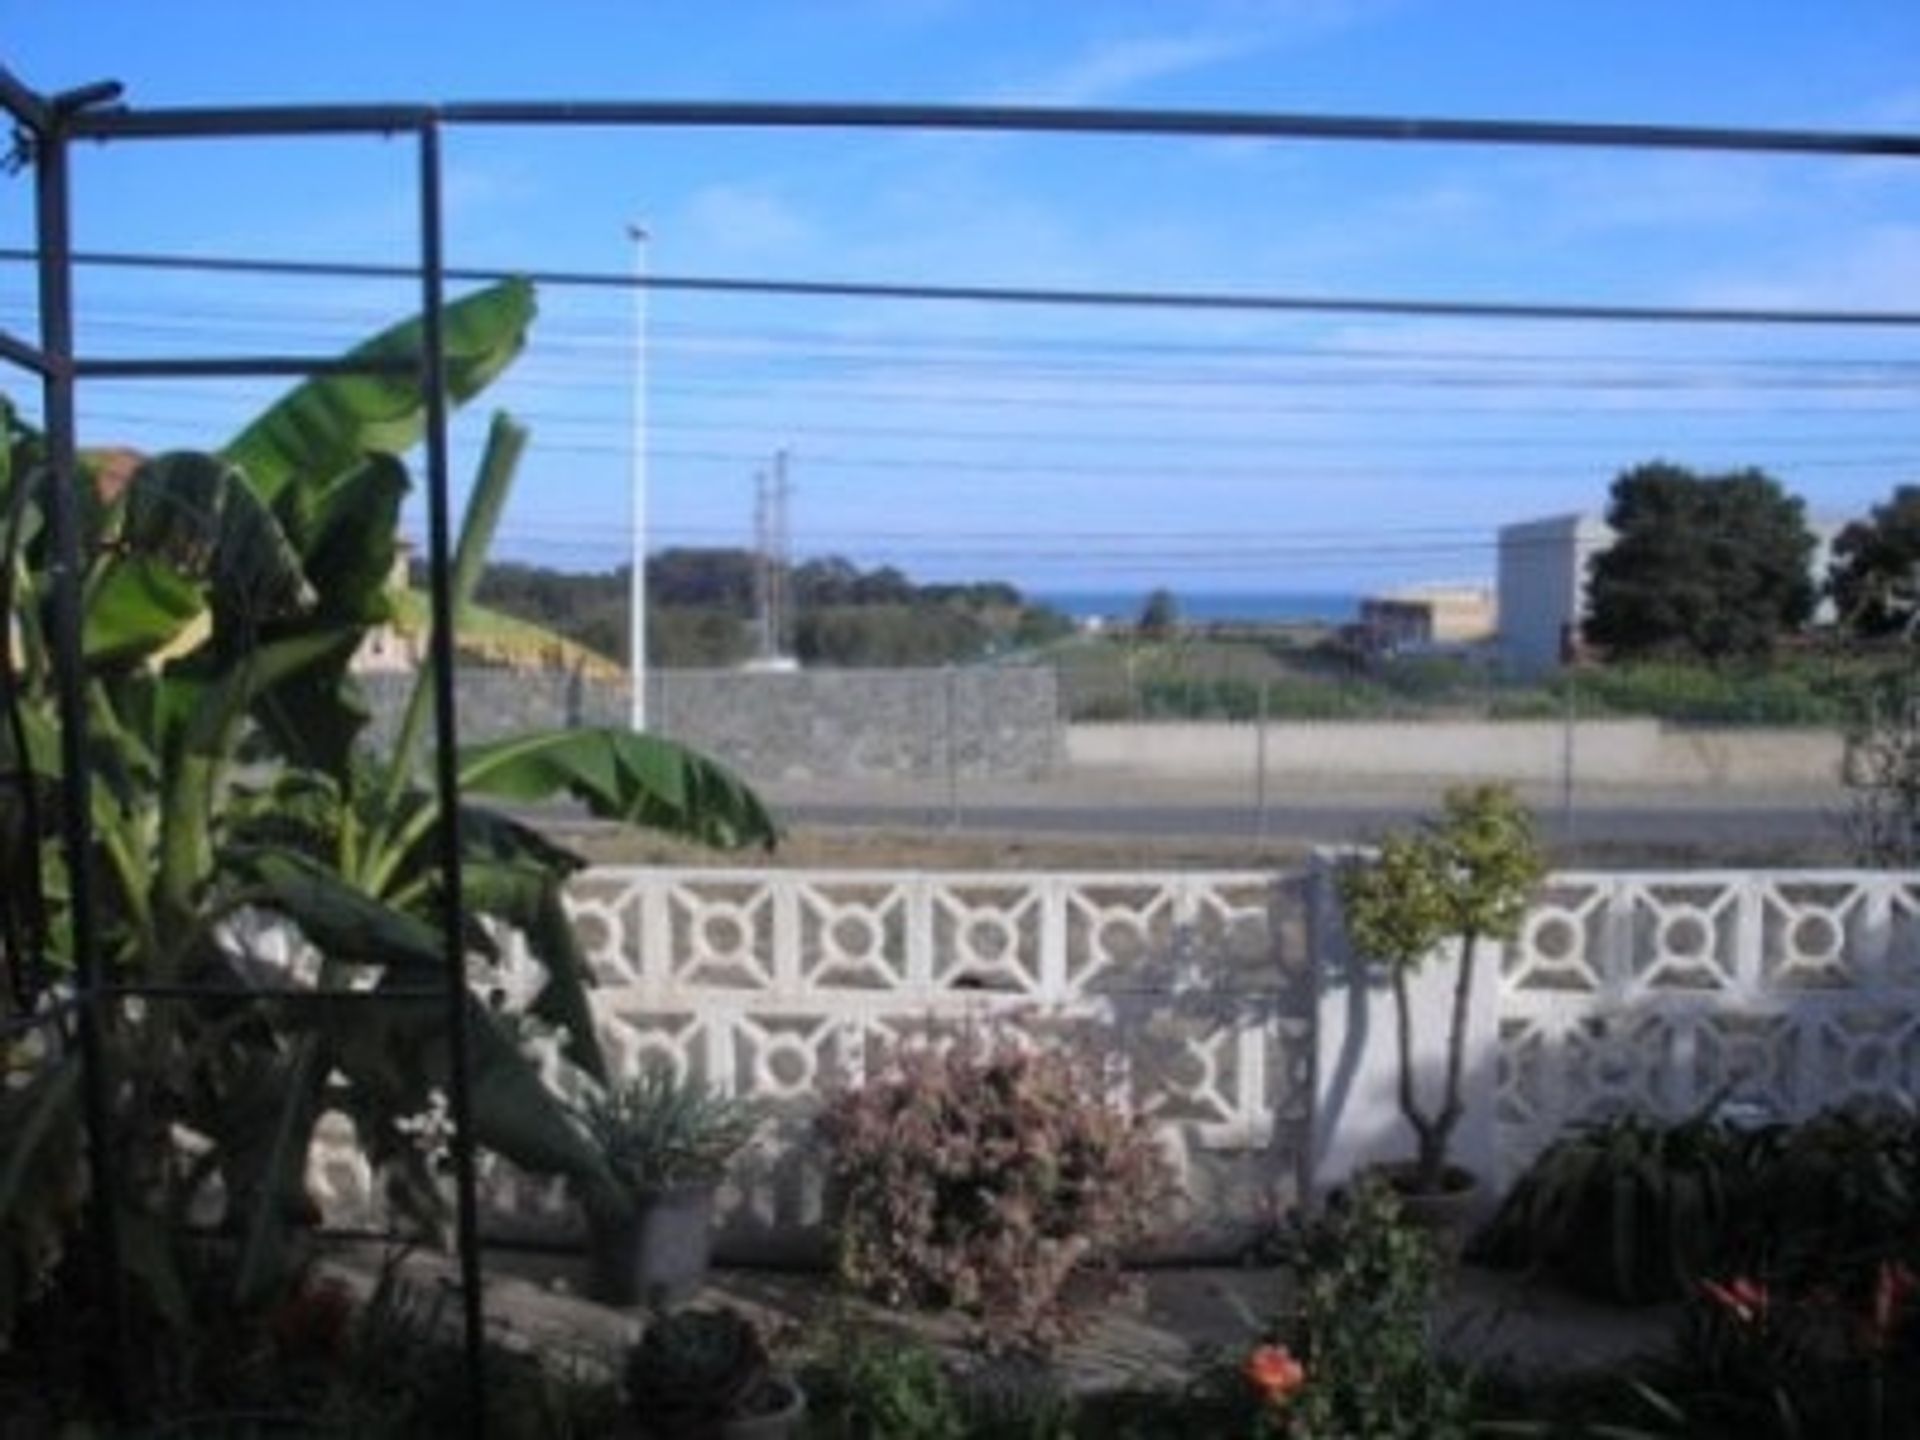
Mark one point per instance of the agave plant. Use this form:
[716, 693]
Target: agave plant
[225, 594]
[657, 1129]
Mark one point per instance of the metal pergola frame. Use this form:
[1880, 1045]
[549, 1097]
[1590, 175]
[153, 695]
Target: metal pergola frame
[48, 124]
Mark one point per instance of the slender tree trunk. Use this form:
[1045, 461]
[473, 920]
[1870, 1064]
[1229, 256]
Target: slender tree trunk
[1433, 1162]
[1430, 1141]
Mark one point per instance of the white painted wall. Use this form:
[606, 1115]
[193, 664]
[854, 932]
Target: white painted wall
[1605, 752]
[1543, 584]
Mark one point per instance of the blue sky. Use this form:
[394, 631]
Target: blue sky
[1059, 448]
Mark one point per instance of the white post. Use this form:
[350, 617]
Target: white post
[637, 601]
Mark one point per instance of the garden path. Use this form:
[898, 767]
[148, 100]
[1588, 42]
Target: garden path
[1151, 1341]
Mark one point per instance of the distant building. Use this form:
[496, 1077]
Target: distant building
[1543, 586]
[1426, 617]
[1544, 569]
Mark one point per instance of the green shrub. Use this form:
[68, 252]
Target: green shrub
[1831, 1197]
[866, 1388]
[1359, 1327]
[1626, 1209]
[986, 1179]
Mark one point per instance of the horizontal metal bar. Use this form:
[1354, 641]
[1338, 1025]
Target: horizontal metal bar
[14, 1025]
[161, 368]
[975, 294]
[26, 105]
[409, 994]
[27, 357]
[1227, 124]
[122, 124]
[221, 122]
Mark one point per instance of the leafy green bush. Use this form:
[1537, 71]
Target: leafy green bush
[866, 1388]
[986, 1179]
[1830, 1198]
[1358, 1330]
[1627, 1209]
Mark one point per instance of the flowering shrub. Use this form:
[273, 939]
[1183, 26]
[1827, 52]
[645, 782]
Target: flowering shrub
[985, 1179]
[1759, 1359]
[1359, 1324]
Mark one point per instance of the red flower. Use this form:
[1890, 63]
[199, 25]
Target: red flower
[1893, 1286]
[1743, 1298]
[1273, 1373]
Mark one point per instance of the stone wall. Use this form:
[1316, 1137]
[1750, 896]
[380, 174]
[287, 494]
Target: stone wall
[983, 723]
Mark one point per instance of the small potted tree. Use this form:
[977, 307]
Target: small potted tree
[1425, 896]
[705, 1375]
[667, 1140]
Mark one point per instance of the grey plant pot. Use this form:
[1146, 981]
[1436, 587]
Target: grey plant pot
[776, 1424]
[1447, 1217]
[660, 1254]
[779, 1423]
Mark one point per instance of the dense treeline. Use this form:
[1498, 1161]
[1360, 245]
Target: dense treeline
[702, 611]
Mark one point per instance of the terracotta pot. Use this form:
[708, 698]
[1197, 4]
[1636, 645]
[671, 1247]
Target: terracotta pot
[658, 1255]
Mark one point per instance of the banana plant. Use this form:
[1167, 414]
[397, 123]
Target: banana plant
[225, 596]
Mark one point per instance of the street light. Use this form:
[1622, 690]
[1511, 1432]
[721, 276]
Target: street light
[637, 598]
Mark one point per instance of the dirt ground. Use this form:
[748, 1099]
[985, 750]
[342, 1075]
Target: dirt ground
[832, 848]
[836, 848]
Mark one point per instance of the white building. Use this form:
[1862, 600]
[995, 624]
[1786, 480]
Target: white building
[1543, 585]
[1543, 582]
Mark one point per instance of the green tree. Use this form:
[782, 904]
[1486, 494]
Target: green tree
[1714, 566]
[1458, 880]
[1875, 576]
[1159, 615]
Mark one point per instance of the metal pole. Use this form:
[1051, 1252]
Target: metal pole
[53, 221]
[637, 594]
[1566, 757]
[447, 774]
[953, 754]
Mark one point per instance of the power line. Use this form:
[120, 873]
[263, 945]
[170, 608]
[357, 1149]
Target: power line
[1428, 308]
[586, 428]
[582, 336]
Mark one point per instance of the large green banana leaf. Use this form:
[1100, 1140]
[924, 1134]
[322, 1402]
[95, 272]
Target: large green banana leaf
[346, 923]
[499, 463]
[315, 717]
[619, 775]
[328, 424]
[196, 513]
[138, 608]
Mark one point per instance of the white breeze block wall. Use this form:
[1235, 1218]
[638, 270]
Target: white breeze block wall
[1225, 1006]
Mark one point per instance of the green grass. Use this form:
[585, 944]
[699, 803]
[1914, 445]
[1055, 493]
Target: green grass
[1119, 678]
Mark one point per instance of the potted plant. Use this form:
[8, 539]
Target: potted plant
[1425, 896]
[705, 1375]
[666, 1140]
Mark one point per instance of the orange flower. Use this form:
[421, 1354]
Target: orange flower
[1742, 1298]
[1273, 1373]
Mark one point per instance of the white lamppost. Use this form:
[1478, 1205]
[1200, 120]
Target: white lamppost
[637, 600]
